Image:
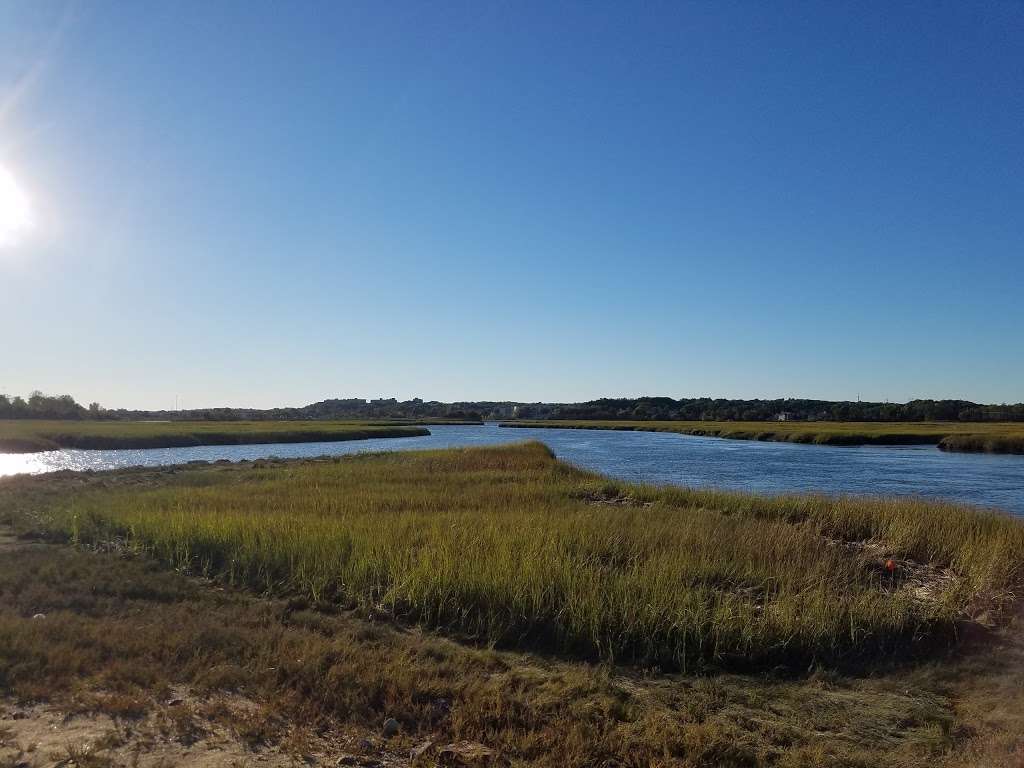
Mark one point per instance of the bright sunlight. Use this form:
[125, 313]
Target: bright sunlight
[15, 210]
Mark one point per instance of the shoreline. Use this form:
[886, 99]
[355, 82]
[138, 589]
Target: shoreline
[961, 442]
[55, 440]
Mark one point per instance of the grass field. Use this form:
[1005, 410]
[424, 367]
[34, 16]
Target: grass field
[834, 659]
[29, 435]
[509, 546]
[135, 665]
[990, 437]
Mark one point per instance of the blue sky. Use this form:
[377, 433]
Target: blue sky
[265, 204]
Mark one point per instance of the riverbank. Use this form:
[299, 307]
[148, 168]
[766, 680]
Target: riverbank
[1001, 437]
[513, 547]
[30, 436]
[358, 557]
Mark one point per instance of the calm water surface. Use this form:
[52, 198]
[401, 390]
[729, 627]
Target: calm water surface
[650, 457]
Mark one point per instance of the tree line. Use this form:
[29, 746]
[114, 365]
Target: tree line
[40, 406]
[795, 409]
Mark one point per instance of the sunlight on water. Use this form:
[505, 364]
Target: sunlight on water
[29, 463]
[646, 457]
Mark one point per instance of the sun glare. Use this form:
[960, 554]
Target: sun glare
[15, 210]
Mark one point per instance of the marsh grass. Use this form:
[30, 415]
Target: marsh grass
[511, 547]
[27, 435]
[122, 635]
[984, 443]
[996, 437]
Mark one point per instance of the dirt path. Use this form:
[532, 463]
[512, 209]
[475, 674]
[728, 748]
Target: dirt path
[44, 736]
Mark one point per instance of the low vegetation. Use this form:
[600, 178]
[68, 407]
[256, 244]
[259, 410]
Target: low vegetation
[509, 546]
[27, 436]
[996, 437]
[506, 546]
[985, 442]
[173, 671]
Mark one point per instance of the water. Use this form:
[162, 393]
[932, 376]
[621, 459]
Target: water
[982, 479]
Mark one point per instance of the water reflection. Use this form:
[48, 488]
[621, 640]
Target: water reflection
[29, 463]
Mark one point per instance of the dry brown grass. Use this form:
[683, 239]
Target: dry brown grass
[122, 636]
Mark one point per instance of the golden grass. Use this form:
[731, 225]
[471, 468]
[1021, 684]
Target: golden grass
[509, 546]
[30, 435]
[992, 437]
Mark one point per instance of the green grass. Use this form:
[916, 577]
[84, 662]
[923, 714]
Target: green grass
[27, 436]
[991, 437]
[509, 546]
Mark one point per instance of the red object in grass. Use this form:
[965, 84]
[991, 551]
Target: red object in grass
[890, 565]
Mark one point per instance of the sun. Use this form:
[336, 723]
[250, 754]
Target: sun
[15, 210]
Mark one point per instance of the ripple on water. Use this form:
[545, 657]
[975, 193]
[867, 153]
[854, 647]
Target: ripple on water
[649, 457]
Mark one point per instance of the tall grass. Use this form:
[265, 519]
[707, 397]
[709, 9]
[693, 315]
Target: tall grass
[985, 443]
[991, 437]
[508, 545]
[27, 436]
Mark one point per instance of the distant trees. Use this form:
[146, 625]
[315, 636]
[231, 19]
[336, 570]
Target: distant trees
[1002, 412]
[40, 406]
[708, 409]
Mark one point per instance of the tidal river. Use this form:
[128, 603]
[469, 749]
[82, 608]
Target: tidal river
[649, 457]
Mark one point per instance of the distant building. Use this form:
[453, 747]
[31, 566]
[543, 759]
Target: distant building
[784, 416]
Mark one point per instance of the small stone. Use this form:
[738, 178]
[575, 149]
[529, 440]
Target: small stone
[391, 728]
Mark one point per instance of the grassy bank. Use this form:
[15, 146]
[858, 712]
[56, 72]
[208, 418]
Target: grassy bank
[134, 665]
[509, 546]
[124, 661]
[998, 437]
[28, 436]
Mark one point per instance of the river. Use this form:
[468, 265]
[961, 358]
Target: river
[649, 457]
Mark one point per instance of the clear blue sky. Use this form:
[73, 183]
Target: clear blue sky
[264, 204]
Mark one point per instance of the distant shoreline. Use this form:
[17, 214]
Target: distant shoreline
[26, 436]
[962, 437]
